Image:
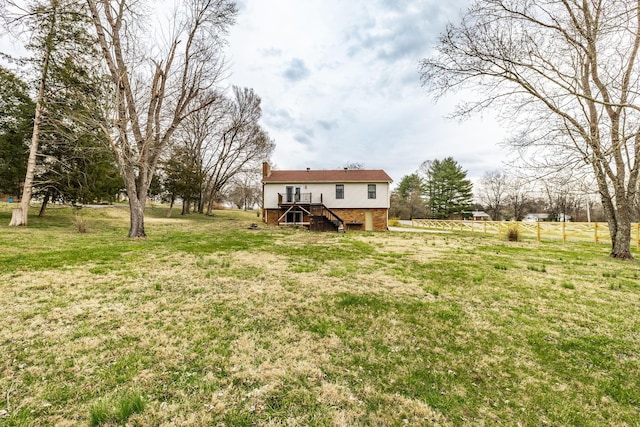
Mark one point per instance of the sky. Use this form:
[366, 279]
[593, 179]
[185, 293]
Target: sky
[340, 83]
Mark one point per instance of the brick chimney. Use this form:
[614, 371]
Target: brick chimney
[266, 169]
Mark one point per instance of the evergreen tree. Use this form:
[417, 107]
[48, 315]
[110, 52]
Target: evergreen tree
[16, 119]
[448, 190]
[66, 122]
[183, 177]
[78, 165]
[408, 201]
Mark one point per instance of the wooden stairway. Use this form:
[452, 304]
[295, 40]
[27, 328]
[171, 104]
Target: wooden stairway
[323, 219]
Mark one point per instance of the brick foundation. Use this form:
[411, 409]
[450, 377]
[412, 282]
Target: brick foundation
[354, 218]
[357, 218]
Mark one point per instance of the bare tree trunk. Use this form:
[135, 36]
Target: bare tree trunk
[186, 206]
[621, 233]
[137, 200]
[16, 218]
[210, 207]
[621, 246]
[21, 218]
[201, 202]
[43, 207]
[136, 215]
[173, 199]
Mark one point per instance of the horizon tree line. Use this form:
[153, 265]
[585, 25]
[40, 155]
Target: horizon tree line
[503, 196]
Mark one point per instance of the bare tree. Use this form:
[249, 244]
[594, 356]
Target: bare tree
[196, 138]
[150, 106]
[245, 191]
[217, 148]
[518, 200]
[238, 145]
[566, 73]
[493, 193]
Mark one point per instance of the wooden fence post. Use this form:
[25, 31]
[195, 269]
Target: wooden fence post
[538, 230]
[595, 234]
[564, 232]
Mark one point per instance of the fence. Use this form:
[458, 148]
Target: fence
[596, 232]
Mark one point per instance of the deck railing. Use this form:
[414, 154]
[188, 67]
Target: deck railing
[284, 198]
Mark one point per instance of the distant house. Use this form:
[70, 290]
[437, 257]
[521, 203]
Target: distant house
[326, 200]
[536, 217]
[480, 216]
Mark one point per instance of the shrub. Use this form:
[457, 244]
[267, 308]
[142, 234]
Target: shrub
[80, 223]
[394, 222]
[513, 233]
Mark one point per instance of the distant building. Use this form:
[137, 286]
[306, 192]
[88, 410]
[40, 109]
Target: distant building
[537, 217]
[480, 216]
[563, 218]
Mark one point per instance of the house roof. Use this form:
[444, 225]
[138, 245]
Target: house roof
[538, 215]
[340, 175]
[480, 214]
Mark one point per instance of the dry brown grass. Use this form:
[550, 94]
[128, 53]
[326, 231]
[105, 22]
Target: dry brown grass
[320, 329]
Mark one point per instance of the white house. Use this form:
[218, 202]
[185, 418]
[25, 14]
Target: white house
[323, 200]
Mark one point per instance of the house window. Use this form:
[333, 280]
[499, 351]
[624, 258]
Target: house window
[294, 217]
[339, 191]
[292, 194]
[371, 190]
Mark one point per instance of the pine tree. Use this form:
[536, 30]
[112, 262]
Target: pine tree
[449, 192]
[78, 166]
[59, 43]
[409, 202]
[15, 129]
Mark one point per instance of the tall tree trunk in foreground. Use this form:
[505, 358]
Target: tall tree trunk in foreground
[20, 216]
[149, 108]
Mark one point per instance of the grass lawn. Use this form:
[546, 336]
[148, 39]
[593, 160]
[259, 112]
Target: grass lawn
[209, 323]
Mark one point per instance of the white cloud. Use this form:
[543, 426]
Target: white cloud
[340, 82]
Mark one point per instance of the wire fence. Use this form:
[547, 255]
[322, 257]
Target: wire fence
[596, 232]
